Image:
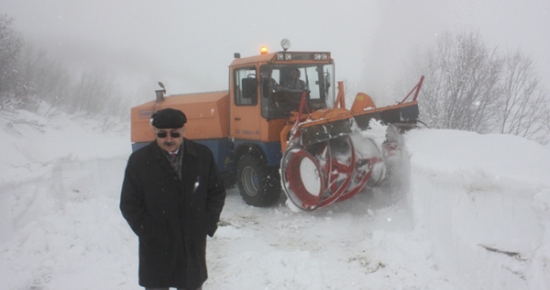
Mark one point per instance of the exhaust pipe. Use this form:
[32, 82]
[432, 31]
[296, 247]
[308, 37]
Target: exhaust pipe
[160, 93]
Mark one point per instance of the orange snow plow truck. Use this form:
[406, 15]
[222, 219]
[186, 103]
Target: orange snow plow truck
[283, 127]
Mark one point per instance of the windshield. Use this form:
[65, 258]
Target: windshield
[282, 87]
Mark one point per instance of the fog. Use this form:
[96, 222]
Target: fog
[188, 45]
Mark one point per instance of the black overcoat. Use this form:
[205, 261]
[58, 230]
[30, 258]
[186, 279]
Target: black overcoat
[170, 216]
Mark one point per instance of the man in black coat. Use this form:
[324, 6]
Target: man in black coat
[172, 197]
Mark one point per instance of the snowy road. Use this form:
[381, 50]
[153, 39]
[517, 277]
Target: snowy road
[476, 216]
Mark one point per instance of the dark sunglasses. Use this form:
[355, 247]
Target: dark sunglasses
[165, 134]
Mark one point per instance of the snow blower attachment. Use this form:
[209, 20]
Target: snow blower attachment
[329, 157]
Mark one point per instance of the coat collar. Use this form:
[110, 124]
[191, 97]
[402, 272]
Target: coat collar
[189, 147]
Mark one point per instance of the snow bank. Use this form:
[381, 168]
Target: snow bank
[483, 201]
[476, 216]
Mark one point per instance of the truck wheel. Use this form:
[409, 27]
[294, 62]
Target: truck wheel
[258, 183]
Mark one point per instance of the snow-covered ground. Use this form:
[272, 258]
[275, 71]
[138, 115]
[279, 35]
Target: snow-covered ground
[476, 216]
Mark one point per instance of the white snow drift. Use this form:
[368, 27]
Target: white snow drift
[476, 216]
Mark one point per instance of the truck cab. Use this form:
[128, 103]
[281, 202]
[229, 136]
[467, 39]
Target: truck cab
[264, 90]
[261, 97]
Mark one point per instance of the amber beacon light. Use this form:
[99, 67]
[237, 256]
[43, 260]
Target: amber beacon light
[263, 50]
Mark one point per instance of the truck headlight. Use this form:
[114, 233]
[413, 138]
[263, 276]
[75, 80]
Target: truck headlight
[284, 56]
[320, 56]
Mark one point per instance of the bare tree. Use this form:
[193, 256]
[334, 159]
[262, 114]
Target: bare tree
[469, 87]
[27, 76]
[42, 79]
[91, 93]
[525, 106]
[10, 48]
[460, 87]
[97, 94]
[94, 93]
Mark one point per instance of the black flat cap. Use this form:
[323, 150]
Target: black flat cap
[168, 118]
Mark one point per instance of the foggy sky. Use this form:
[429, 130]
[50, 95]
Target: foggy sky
[188, 45]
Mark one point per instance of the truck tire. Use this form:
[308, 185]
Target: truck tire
[259, 184]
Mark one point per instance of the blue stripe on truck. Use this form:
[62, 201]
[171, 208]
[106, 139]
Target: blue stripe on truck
[221, 150]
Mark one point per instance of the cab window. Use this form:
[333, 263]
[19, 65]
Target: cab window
[245, 86]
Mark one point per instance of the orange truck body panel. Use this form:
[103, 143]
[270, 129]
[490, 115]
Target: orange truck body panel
[207, 115]
[362, 101]
[246, 123]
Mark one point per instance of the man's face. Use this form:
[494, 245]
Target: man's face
[167, 140]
